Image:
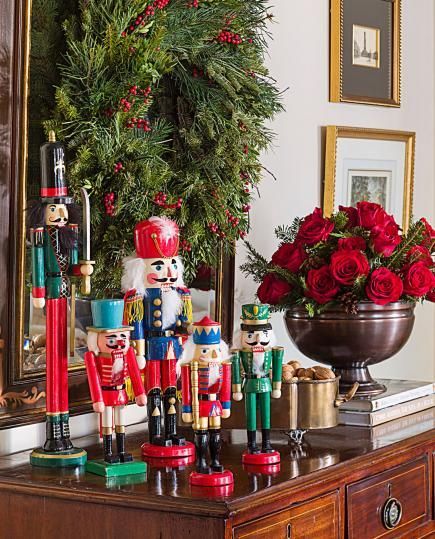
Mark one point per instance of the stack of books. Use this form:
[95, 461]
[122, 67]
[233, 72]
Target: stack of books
[401, 398]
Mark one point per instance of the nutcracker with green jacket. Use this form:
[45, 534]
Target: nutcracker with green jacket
[54, 236]
[259, 359]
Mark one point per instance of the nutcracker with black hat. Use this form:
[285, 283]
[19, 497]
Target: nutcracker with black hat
[260, 359]
[205, 370]
[159, 307]
[109, 362]
[54, 236]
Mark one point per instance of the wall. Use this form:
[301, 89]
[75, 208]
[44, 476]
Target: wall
[299, 59]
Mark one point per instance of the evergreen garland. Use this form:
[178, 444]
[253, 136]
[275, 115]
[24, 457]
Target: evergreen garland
[163, 106]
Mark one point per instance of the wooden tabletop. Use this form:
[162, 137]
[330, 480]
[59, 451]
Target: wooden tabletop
[324, 458]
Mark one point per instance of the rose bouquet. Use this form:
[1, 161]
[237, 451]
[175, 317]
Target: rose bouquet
[357, 254]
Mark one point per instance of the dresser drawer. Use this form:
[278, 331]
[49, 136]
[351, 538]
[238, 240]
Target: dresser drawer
[390, 502]
[311, 520]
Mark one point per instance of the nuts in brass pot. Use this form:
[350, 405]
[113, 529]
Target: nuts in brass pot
[295, 364]
[288, 373]
[323, 373]
[305, 373]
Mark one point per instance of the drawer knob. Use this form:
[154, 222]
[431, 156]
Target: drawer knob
[391, 513]
[289, 531]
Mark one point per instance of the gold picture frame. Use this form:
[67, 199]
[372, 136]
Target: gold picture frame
[341, 71]
[334, 161]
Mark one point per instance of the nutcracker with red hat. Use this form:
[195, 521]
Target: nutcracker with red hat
[206, 394]
[159, 307]
[55, 259]
[109, 361]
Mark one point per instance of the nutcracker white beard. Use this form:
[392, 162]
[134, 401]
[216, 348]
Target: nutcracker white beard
[171, 306]
[213, 373]
[258, 362]
[118, 364]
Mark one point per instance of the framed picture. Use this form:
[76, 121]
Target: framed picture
[365, 52]
[369, 164]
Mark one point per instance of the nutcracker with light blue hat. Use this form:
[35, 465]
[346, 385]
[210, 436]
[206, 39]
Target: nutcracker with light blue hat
[259, 358]
[109, 362]
[206, 395]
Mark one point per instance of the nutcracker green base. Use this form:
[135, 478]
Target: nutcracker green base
[60, 459]
[100, 467]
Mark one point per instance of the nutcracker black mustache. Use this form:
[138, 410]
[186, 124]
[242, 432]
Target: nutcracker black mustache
[263, 343]
[165, 280]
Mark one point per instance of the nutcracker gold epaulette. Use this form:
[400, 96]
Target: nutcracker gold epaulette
[133, 308]
[187, 306]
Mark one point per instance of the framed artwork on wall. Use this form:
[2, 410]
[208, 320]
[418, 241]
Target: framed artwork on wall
[370, 164]
[365, 52]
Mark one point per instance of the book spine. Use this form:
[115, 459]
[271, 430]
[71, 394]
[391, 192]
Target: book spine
[400, 410]
[401, 398]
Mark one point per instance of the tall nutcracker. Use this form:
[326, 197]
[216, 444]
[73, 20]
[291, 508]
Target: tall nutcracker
[259, 359]
[206, 396]
[55, 258]
[158, 306]
[109, 361]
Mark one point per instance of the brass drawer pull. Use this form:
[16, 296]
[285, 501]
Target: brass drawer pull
[289, 531]
[391, 513]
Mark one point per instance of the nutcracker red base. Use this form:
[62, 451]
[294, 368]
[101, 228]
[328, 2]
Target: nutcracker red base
[171, 452]
[261, 459]
[177, 463]
[219, 479]
[268, 469]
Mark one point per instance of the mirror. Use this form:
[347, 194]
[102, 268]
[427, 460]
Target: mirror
[28, 76]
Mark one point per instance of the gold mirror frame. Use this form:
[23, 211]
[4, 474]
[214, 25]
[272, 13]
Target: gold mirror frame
[22, 396]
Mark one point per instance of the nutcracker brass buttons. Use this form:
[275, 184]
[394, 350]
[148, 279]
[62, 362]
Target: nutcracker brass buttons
[157, 314]
[157, 302]
[157, 324]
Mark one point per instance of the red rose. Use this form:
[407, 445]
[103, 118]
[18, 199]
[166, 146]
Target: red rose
[352, 243]
[321, 285]
[347, 266]
[384, 287]
[429, 235]
[314, 228]
[418, 253]
[273, 289]
[289, 256]
[352, 215]
[431, 295]
[385, 237]
[418, 280]
[370, 214]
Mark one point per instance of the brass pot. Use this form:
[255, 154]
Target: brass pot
[309, 404]
[350, 343]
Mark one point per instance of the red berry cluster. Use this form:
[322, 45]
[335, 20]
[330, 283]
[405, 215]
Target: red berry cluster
[149, 11]
[225, 36]
[193, 4]
[197, 72]
[232, 219]
[185, 246]
[109, 200]
[139, 123]
[118, 167]
[216, 230]
[246, 207]
[125, 105]
[245, 149]
[244, 175]
[161, 200]
[109, 112]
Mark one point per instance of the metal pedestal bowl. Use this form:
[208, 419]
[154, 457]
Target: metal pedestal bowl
[351, 343]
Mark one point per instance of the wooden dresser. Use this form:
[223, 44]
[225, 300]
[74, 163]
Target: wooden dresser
[338, 485]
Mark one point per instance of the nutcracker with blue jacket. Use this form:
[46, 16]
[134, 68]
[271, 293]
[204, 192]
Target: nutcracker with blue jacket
[55, 260]
[109, 362]
[159, 307]
[205, 369]
[259, 359]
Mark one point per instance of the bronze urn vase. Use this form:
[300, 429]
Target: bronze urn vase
[350, 343]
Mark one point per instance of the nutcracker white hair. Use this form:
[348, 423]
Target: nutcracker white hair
[134, 273]
[189, 351]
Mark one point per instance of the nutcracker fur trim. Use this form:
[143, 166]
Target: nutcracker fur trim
[189, 351]
[93, 342]
[134, 273]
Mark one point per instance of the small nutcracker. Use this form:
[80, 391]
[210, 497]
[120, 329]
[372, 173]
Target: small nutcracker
[158, 306]
[109, 362]
[259, 359]
[55, 259]
[206, 396]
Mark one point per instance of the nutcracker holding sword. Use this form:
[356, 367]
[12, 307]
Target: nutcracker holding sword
[54, 237]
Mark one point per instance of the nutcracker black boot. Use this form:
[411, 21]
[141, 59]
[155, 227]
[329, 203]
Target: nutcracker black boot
[169, 401]
[215, 450]
[155, 419]
[64, 432]
[201, 443]
[120, 445]
[109, 457]
[252, 442]
[53, 440]
[265, 444]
